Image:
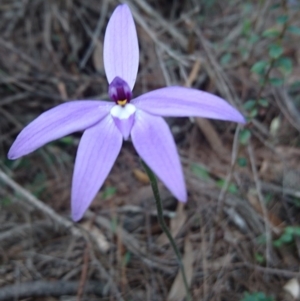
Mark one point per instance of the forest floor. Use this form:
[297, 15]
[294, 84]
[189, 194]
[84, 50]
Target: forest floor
[239, 232]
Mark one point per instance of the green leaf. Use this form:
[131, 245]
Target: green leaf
[109, 192]
[284, 239]
[275, 81]
[296, 231]
[253, 38]
[249, 104]
[232, 188]
[285, 65]
[225, 59]
[272, 32]
[275, 51]
[259, 67]
[289, 230]
[294, 29]
[242, 161]
[282, 19]
[263, 102]
[253, 113]
[258, 296]
[199, 171]
[287, 237]
[246, 27]
[67, 140]
[259, 258]
[275, 6]
[244, 136]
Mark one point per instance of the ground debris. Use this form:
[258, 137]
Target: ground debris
[238, 232]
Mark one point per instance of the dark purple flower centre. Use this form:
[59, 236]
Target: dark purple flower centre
[119, 91]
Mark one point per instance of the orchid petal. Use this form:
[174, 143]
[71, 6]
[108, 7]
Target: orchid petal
[97, 152]
[121, 49]
[58, 122]
[124, 118]
[180, 102]
[154, 143]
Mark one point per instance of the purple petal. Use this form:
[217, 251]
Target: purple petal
[97, 152]
[121, 49]
[154, 143]
[60, 121]
[180, 102]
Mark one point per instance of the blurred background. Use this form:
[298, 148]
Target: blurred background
[239, 233]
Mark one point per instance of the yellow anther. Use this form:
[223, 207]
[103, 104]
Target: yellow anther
[122, 102]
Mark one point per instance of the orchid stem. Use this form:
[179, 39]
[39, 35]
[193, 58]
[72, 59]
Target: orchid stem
[164, 226]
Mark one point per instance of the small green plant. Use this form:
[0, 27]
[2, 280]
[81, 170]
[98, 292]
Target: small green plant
[273, 69]
[258, 296]
[108, 192]
[200, 171]
[68, 140]
[281, 64]
[242, 161]
[259, 258]
[244, 136]
[287, 236]
[232, 188]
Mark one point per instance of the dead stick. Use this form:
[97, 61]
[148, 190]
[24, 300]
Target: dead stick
[36, 203]
[46, 288]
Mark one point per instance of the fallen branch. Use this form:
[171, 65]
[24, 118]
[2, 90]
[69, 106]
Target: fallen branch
[47, 288]
[36, 203]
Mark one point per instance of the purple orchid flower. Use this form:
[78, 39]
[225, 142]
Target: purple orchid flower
[105, 124]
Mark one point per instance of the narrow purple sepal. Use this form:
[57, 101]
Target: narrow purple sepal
[58, 122]
[180, 102]
[97, 152]
[121, 49]
[154, 143]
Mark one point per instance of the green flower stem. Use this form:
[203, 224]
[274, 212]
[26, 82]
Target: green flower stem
[164, 227]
